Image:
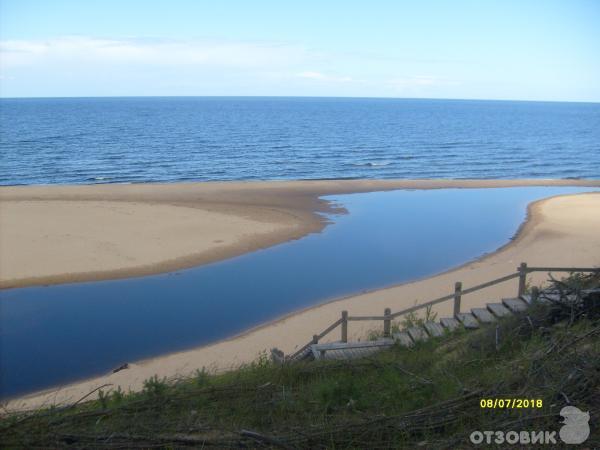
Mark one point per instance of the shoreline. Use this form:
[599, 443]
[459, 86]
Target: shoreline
[265, 214]
[292, 330]
[531, 219]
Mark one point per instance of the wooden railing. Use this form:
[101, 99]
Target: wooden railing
[387, 316]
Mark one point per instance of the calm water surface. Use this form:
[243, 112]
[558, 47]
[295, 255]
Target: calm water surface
[53, 335]
[108, 140]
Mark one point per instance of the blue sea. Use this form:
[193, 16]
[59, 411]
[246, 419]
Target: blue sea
[126, 140]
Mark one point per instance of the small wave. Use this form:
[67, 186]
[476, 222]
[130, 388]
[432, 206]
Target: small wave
[99, 179]
[372, 164]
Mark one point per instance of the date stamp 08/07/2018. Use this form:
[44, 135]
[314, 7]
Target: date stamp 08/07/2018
[510, 403]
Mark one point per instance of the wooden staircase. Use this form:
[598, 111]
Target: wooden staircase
[408, 337]
[412, 335]
[473, 319]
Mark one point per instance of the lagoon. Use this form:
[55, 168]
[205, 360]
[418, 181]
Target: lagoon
[59, 334]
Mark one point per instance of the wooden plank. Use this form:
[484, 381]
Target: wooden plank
[563, 269]
[329, 329]
[526, 298]
[498, 309]
[543, 297]
[450, 323]
[555, 296]
[403, 339]
[348, 345]
[434, 329]
[516, 305]
[333, 354]
[490, 283]
[316, 353]
[550, 296]
[358, 318]
[301, 353]
[467, 320]
[351, 353]
[483, 315]
[457, 297]
[417, 334]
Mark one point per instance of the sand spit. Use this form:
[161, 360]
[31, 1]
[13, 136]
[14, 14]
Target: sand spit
[60, 234]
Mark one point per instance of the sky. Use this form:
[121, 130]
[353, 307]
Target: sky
[545, 50]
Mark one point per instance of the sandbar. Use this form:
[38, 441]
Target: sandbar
[61, 234]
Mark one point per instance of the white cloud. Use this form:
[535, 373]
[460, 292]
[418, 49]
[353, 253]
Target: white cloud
[419, 81]
[88, 50]
[324, 77]
[312, 75]
[82, 65]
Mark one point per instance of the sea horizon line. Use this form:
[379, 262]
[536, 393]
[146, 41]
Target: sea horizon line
[315, 97]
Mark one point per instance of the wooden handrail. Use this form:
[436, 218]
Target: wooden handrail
[358, 318]
[490, 283]
[329, 329]
[563, 269]
[324, 333]
[521, 273]
[423, 305]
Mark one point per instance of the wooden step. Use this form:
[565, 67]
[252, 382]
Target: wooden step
[417, 334]
[550, 296]
[516, 305]
[348, 350]
[434, 329]
[498, 309]
[526, 298]
[554, 296]
[483, 315]
[403, 339]
[351, 353]
[467, 320]
[450, 323]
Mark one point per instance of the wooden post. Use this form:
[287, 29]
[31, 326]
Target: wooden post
[344, 326]
[522, 278]
[315, 339]
[387, 322]
[535, 293]
[457, 295]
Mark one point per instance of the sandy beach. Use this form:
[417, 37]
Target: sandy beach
[220, 220]
[61, 234]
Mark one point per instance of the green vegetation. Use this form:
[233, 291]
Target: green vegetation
[408, 320]
[427, 396]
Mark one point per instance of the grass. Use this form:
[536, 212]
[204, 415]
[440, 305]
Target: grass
[408, 320]
[427, 396]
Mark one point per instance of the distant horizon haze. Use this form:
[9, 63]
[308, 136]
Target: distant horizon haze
[324, 97]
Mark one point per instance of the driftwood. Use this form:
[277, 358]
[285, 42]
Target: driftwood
[121, 367]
